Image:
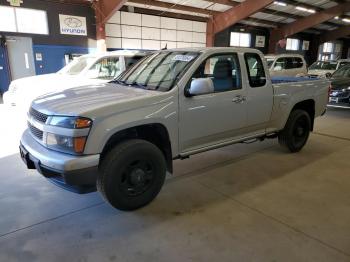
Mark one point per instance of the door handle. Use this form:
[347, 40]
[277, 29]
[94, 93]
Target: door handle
[239, 99]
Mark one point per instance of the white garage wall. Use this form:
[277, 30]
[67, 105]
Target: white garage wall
[138, 31]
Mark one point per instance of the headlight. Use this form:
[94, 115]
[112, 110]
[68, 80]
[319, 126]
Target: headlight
[70, 122]
[74, 143]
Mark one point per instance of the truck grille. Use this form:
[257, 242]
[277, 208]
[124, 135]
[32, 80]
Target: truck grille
[340, 94]
[35, 131]
[37, 115]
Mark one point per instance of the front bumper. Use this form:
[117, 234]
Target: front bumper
[73, 173]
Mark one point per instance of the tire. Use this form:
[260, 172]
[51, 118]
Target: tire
[296, 131]
[132, 174]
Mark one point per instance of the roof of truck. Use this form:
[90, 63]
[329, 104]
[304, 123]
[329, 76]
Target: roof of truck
[208, 49]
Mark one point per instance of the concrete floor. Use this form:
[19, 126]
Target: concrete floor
[240, 203]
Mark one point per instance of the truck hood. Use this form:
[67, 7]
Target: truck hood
[42, 84]
[94, 100]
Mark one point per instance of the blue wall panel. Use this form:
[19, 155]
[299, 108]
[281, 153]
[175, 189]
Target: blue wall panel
[53, 56]
[4, 73]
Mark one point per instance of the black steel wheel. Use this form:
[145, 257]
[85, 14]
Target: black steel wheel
[131, 174]
[296, 131]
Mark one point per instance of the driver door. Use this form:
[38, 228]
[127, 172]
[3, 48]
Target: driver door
[208, 119]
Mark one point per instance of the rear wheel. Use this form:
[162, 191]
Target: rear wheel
[296, 131]
[132, 174]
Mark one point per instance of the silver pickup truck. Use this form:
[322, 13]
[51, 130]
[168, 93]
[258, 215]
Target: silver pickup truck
[121, 137]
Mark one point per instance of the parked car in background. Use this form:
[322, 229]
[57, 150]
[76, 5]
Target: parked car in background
[90, 69]
[286, 65]
[340, 91]
[326, 68]
[123, 136]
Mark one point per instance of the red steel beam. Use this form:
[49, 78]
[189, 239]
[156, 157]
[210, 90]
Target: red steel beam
[104, 9]
[210, 33]
[237, 13]
[175, 6]
[335, 34]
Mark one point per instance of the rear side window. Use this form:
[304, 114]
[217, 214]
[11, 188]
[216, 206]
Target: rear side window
[298, 62]
[280, 64]
[255, 70]
[289, 63]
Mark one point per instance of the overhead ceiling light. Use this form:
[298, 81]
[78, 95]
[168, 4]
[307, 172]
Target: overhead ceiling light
[347, 20]
[300, 8]
[280, 3]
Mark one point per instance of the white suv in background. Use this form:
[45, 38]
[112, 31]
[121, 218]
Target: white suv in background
[90, 69]
[286, 65]
[326, 68]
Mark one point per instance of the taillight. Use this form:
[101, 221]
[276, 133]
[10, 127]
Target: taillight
[329, 90]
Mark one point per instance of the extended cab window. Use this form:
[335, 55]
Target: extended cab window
[223, 70]
[255, 70]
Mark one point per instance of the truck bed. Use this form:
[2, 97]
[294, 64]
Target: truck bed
[289, 79]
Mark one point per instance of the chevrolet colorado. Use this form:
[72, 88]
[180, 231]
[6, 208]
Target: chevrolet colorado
[121, 137]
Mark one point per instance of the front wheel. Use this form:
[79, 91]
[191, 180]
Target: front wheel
[132, 174]
[296, 131]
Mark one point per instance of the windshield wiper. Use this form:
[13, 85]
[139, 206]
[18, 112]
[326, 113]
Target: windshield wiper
[143, 86]
[118, 82]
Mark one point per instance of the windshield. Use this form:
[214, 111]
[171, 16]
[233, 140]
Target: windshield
[160, 70]
[269, 62]
[323, 65]
[106, 68]
[77, 65]
[343, 72]
[341, 64]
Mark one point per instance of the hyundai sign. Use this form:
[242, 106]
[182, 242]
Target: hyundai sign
[72, 25]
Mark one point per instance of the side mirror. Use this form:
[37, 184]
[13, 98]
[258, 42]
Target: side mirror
[328, 75]
[201, 86]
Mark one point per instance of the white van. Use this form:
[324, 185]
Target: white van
[90, 69]
[286, 65]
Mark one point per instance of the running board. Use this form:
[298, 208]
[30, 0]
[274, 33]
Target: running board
[250, 141]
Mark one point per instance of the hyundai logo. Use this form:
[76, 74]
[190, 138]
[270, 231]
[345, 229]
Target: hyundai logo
[73, 22]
